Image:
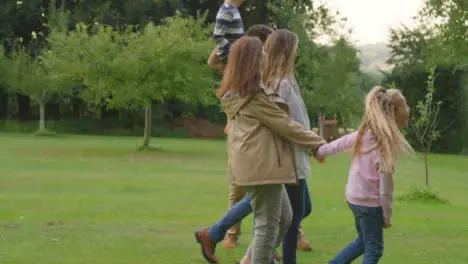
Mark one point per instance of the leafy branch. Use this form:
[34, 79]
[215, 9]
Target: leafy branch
[426, 120]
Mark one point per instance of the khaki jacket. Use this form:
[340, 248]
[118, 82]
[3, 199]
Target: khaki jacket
[259, 139]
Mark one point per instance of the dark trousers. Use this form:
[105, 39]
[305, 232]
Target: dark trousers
[297, 197]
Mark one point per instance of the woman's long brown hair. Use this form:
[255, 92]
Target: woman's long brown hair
[281, 51]
[242, 73]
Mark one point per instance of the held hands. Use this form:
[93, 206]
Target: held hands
[318, 158]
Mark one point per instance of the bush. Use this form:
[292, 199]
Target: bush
[422, 195]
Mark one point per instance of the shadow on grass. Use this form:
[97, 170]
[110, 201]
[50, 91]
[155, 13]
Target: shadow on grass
[151, 149]
[422, 195]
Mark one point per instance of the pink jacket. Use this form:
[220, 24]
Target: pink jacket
[366, 185]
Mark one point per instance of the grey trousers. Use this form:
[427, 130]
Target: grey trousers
[272, 216]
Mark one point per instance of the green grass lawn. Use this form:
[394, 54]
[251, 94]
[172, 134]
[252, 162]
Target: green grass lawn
[77, 199]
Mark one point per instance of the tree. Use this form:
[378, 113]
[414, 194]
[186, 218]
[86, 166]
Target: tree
[415, 51]
[447, 19]
[39, 78]
[161, 62]
[408, 45]
[42, 74]
[425, 121]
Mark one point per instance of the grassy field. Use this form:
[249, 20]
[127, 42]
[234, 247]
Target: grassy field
[78, 199]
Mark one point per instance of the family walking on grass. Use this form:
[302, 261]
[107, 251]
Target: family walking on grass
[270, 143]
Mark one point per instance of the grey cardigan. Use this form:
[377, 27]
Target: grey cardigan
[289, 92]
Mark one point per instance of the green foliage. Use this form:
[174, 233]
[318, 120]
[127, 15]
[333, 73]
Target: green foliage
[336, 79]
[129, 70]
[427, 115]
[447, 18]
[408, 45]
[431, 48]
[20, 64]
[164, 61]
[94, 59]
[368, 80]
[449, 90]
[42, 77]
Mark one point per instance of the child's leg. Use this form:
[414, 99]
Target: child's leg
[372, 232]
[267, 209]
[234, 215]
[236, 193]
[369, 226]
[354, 249]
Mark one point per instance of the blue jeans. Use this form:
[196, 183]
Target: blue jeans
[234, 215]
[297, 194]
[369, 227]
[242, 209]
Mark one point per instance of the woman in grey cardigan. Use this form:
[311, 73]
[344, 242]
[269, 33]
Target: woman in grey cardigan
[281, 50]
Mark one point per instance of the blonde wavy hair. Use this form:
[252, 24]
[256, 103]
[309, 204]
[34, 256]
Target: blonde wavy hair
[380, 117]
[280, 56]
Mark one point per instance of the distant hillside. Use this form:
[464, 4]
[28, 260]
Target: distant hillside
[374, 56]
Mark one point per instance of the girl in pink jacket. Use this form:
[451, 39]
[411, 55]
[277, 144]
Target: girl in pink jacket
[369, 191]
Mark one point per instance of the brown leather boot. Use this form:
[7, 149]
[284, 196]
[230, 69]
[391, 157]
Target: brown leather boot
[230, 241]
[202, 236]
[303, 244]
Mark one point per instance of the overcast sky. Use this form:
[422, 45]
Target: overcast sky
[371, 19]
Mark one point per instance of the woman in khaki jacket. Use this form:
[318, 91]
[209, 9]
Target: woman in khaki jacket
[260, 153]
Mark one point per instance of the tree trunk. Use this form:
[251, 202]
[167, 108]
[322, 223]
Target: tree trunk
[320, 124]
[426, 168]
[42, 127]
[344, 124]
[148, 125]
